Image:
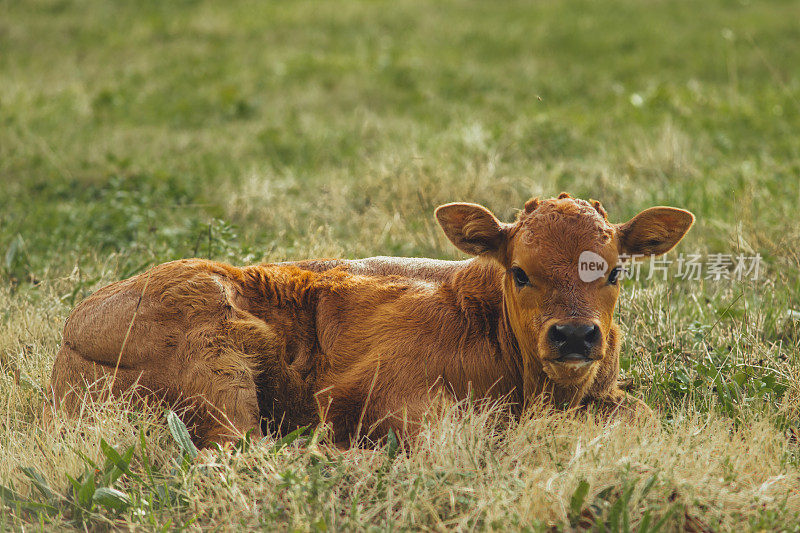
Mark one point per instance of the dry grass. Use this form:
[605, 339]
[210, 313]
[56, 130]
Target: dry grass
[473, 468]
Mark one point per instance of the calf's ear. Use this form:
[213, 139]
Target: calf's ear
[654, 231]
[471, 227]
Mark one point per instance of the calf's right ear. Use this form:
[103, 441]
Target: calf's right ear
[471, 227]
[654, 231]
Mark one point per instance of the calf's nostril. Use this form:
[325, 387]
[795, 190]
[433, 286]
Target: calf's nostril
[592, 334]
[560, 333]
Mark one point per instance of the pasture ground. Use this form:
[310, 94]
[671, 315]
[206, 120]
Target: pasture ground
[138, 132]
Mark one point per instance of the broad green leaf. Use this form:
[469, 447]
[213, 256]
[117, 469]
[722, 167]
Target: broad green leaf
[392, 446]
[111, 499]
[39, 482]
[577, 500]
[87, 489]
[181, 434]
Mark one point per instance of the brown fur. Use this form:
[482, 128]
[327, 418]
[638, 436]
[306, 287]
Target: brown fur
[366, 345]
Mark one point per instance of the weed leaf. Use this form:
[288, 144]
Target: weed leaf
[576, 502]
[181, 435]
[111, 499]
[39, 482]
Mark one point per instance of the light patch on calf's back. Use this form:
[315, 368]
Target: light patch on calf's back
[204, 293]
[225, 289]
[412, 268]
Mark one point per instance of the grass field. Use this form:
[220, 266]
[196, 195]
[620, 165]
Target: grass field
[133, 133]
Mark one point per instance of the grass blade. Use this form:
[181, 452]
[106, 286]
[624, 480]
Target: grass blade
[288, 439]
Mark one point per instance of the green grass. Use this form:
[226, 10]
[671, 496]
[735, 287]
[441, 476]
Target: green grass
[133, 133]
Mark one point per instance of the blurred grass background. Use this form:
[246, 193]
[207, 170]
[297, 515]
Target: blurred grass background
[133, 133]
[129, 126]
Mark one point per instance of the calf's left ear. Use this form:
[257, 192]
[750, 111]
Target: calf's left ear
[654, 231]
[471, 227]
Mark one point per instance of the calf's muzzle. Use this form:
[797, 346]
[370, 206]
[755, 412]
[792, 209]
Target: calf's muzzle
[574, 341]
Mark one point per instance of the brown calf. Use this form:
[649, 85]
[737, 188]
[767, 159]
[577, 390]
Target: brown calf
[365, 344]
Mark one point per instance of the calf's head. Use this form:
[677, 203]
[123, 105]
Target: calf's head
[562, 262]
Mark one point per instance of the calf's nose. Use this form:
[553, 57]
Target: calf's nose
[574, 338]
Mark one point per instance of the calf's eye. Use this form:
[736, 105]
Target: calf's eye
[520, 277]
[613, 276]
